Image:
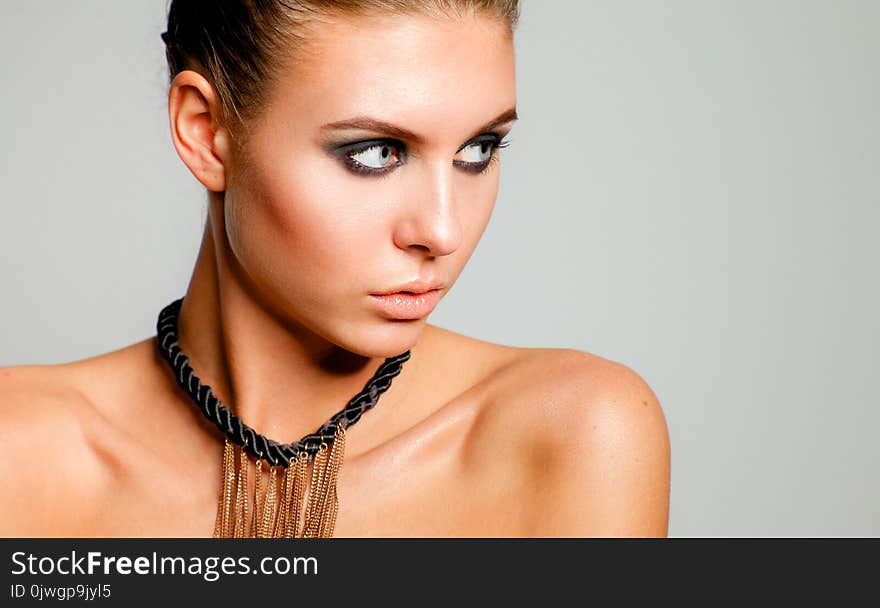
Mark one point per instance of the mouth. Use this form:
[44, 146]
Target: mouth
[407, 305]
[417, 287]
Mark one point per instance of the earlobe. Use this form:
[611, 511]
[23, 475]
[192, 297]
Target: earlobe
[194, 117]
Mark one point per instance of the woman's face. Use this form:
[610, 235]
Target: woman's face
[326, 212]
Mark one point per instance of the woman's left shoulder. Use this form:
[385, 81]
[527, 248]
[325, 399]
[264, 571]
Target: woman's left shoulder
[599, 438]
[577, 388]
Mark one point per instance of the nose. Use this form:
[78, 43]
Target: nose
[430, 218]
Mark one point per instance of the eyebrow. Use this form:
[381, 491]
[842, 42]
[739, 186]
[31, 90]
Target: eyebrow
[371, 124]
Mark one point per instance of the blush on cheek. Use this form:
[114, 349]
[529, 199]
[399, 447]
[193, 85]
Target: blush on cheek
[289, 228]
[256, 230]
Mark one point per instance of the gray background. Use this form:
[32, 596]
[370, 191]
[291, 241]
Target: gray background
[692, 190]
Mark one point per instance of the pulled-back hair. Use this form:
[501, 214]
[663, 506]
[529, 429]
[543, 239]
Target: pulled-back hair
[237, 44]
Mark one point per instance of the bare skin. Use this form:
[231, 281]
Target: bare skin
[121, 452]
[472, 438]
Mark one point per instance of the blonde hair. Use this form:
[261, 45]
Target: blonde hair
[235, 43]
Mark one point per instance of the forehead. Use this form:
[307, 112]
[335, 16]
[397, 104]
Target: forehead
[420, 72]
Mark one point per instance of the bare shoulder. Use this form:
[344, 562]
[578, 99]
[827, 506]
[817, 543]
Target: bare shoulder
[41, 409]
[45, 458]
[597, 438]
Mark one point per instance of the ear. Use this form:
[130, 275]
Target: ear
[194, 113]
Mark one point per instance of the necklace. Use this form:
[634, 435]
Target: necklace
[284, 505]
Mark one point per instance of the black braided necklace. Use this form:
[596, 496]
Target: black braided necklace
[235, 429]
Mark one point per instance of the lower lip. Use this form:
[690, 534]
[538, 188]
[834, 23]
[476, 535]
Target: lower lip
[402, 305]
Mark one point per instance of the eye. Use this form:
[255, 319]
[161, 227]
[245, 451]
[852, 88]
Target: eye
[481, 153]
[377, 157]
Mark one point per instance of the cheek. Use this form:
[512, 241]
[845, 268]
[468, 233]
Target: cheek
[303, 232]
[476, 209]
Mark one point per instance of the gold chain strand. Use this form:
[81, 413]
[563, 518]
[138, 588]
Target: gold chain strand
[281, 513]
[328, 518]
[335, 513]
[228, 488]
[328, 522]
[287, 488]
[264, 499]
[230, 506]
[304, 493]
[279, 505]
[273, 512]
[284, 515]
[283, 504]
[244, 472]
[289, 530]
[230, 516]
[293, 525]
[312, 489]
[236, 503]
[223, 489]
[314, 485]
[270, 503]
[337, 455]
[318, 488]
[309, 494]
[241, 490]
[258, 499]
[326, 491]
[218, 522]
[299, 482]
[325, 525]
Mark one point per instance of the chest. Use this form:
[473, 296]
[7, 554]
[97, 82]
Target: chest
[403, 493]
[432, 501]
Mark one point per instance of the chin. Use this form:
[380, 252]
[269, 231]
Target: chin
[384, 337]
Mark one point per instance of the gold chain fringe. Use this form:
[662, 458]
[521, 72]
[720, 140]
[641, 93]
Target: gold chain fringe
[286, 508]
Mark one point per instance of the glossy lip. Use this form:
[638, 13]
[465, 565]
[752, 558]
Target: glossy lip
[407, 306]
[413, 287]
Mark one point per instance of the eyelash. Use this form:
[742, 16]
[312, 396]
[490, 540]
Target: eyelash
[359, 168]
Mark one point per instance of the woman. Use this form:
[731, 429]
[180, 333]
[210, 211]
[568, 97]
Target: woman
[350, 153]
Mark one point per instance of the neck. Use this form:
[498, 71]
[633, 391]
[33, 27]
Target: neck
[280, 378]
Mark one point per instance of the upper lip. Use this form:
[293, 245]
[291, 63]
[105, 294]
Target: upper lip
[418, 286]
